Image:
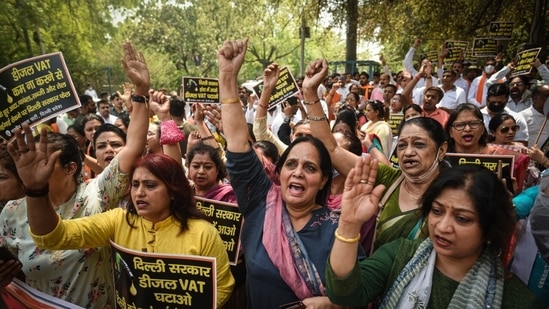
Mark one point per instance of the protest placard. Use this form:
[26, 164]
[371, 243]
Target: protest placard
[34, 90]
[285, 87]
[227, 220]
[430, 55]
[18, 295]
[524, 60]
[502, 164]
[500, 30]
[485, 47]
[200, 89]
[154, 280]
[394, 122]
[455, 50]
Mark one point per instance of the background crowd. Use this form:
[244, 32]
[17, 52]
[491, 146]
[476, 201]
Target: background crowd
[341, 208]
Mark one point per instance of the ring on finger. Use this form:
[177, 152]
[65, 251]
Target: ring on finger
[363, 181]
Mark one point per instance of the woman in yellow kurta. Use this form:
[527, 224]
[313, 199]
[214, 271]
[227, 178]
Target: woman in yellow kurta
[161, 217]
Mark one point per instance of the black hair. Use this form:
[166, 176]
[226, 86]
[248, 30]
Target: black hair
[430, 125]
[90, 117]
[177, 106]
[213, 153]
[498, 119]
[438, 90]
[490, 198]
[497, 90]
[453, 116]
[70, 151]
[348, 117]
[78, 128]
[269, 150]
[107, 127]
[378, 106]
[125, 118]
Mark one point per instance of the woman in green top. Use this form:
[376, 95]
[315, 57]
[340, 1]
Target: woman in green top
[421, 146]
[470, 220]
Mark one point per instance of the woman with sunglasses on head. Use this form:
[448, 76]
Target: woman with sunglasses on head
[467, 133]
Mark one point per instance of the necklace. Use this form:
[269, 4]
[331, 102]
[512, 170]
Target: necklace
[412, 195]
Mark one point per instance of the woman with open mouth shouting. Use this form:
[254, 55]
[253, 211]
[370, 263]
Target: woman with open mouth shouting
[421, 146]
[467, 134]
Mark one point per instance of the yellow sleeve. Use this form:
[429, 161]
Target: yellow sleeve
[86, 232]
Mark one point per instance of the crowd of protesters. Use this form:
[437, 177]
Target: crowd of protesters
[340, 209]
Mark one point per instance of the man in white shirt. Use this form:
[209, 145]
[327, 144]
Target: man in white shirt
[460, 81]
[535, 116]
[104, 108]
[479, 88]
[91, 92]
[408, 63]
[453, 95]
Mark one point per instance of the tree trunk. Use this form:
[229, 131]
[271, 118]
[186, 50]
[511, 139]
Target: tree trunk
[537, 32]
[351, 40]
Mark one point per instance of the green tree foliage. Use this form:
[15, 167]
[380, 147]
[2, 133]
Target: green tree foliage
[77, 28]
[399, 22]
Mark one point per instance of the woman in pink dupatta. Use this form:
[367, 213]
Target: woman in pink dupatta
[287, 229]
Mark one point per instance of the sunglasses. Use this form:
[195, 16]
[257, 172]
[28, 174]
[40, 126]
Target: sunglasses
[505, 130]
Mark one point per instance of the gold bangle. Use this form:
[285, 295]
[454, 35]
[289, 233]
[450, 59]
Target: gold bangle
[346, 240]
[230, 101]
[316, 118]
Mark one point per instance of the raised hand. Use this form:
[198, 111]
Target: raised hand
[360, 195]
[315, 73]
[136, 68]
[231, 56]
[213, 112]
[198, 112]
[160, 105]
[270, 75]
[126, 96]
[34, 164]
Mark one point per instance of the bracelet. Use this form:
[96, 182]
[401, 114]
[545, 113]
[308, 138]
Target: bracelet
[346, 240]
[38, 193]
[140, 99]
[230, 101]
[265, 107]
[316, 118]
[207, 138]
[371, 147]
[311, 103]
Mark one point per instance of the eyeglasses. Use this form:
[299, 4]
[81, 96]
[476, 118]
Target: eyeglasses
[473, 124]
[505, 130]
[516, 84]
